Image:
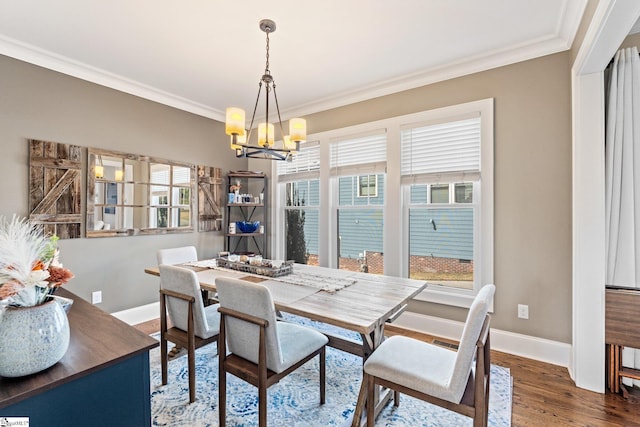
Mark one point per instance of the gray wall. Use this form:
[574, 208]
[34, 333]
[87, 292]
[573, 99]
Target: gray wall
[42, 104]
[532, 195]
[532, 175]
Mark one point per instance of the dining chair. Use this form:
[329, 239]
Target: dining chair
[173, 256]
[257, 348]
[435, 374]
[193, 324]
[181, 255]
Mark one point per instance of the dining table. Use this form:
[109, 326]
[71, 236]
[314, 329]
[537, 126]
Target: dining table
[355, 301]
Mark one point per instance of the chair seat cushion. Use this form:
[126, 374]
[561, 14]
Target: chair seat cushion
[417, 365]
[213, 321]
[297, 342]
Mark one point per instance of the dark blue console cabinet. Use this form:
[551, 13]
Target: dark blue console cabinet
[103, 379]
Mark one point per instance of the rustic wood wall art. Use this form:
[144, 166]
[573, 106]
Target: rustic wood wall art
[209, 198]
[55, 196]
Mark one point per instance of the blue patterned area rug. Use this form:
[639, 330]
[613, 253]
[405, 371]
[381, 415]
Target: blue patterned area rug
[295, 400]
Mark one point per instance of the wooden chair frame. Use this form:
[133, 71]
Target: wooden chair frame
[475, 400]
[257, 375]
[181, 338]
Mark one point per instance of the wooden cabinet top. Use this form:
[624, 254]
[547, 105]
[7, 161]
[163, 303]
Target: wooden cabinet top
[97, 340]
[622, 317]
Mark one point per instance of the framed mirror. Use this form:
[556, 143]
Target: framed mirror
[130, 194]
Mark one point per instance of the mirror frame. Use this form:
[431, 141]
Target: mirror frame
[93, 154]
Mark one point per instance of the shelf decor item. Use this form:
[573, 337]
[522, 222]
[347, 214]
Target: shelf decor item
[34, 330]
[248, 226]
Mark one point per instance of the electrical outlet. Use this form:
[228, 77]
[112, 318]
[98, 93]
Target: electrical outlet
[96, 297]
[523, 311]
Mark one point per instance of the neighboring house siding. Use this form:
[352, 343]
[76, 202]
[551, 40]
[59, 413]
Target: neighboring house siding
[360, 230]
[311, 227]
[453, 237]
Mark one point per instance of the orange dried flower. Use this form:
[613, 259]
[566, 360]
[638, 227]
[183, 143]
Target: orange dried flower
[9, 289]
[59, 275]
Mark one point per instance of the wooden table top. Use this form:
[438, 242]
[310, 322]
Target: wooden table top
[360, 307]
[97, 340]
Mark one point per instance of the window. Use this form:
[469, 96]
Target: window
[302, 221]
[299, 188]
[359, 231]
[404, 196]
[367, 186]
[439, 193]
[442, 171]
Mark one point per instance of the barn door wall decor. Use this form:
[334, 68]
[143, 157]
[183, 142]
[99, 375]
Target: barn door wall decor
[54, 188]
[209, 198]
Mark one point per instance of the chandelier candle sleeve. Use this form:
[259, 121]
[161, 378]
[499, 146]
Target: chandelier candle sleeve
[234, 121]
[298, 129]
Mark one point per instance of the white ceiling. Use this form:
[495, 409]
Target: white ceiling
[202, 56]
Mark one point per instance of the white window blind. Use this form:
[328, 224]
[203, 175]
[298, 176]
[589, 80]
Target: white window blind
[441, 152]
[304, 165]
[361, 155]
[181, 175]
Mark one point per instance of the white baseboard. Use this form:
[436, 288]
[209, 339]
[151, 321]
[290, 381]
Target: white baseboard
[544, 350]
[140, 314]
[541, 349]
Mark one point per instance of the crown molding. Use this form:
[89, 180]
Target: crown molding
[518, 53]
[560, 41]
[37, 56]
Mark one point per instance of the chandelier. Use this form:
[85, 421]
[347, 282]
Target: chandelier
[241, 138]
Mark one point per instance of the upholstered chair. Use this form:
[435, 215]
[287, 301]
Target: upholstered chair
[257, 348]
[173, 256]
[435, 374]
[193, 324]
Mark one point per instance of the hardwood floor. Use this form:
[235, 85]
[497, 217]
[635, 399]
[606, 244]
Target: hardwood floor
[543, 394]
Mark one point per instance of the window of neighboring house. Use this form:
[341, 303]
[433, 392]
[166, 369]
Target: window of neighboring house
[367, 186]
[359, 237]
[299, 188]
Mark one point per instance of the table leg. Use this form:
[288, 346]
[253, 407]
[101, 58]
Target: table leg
[381, 395]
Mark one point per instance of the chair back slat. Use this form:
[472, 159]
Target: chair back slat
[243, 337]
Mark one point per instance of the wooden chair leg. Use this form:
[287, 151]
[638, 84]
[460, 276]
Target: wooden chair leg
[322, 375]
[371, 398]
[262, 405]
[222, 375]
[192, 372]
[164, 358]
[222, 398]
[163, 340]
[396, 398]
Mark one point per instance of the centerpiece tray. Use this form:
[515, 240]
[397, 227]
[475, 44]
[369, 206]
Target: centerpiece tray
[263, 268]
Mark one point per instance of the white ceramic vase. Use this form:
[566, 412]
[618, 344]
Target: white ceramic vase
[32, 338]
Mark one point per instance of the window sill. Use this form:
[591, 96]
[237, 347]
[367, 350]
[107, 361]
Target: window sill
[448, 296]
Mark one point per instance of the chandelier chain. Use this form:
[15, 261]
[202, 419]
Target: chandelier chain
[266, 67]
